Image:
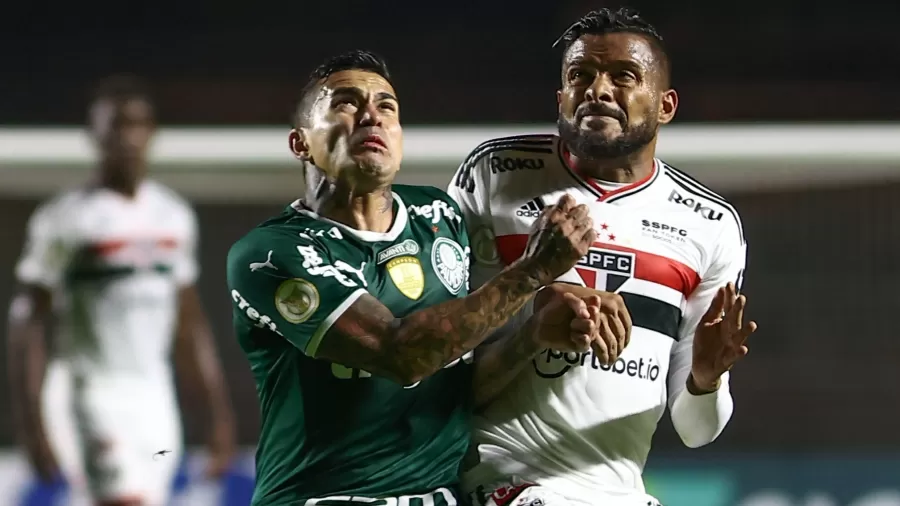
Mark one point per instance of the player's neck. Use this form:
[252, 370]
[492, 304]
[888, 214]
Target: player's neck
[127, 187]
[626, 169]
[370, 212]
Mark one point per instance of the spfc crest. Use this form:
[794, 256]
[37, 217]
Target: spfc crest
[407, 275]
[605, 269]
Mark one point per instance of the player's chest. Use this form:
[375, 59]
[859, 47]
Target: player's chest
[642, 241]
[424, 266]
[138, 237]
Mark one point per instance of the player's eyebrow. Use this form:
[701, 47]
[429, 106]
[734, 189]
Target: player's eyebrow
[353, 90]
[386, 96]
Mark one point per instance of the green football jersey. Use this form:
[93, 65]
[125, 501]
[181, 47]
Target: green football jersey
[331, 434]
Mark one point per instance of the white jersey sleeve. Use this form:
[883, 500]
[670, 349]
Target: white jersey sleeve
[699, 420]
[45, 254]
[186, 268]
[470, 188]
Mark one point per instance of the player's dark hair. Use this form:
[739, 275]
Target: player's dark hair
[122, 87]
[357, 59]
[622, 20]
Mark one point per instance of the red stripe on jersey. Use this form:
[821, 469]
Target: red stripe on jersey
[647, 266]
[104, 248]
[167, 243]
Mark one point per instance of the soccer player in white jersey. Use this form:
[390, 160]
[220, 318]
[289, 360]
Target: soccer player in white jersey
[115, 262]
[576, 428]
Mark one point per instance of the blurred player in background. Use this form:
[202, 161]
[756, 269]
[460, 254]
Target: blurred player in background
[353, 308]
[115, 262]
[576, 428]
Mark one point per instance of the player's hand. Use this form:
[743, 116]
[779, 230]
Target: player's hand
[564, 323]
[559, 238]
[612, 324]
[41, 457]
[720, 339]
[568, 322]
[221, 450]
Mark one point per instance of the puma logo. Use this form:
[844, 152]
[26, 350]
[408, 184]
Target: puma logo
[255, 266]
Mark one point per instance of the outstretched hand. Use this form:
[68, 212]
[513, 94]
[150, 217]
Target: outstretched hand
[721, 338]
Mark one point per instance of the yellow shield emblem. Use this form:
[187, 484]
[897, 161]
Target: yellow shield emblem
[406, 272]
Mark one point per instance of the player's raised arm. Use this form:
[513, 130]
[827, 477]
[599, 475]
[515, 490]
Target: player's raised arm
[38, 271]
[711, 340]
[325, 310]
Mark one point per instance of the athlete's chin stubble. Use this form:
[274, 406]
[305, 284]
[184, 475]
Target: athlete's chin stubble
[595, 145]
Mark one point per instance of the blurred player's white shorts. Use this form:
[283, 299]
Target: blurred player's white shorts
[516, 492]
[114, 438]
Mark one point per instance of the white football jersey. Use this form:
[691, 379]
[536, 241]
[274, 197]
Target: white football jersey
[115, 265]
[665, 244]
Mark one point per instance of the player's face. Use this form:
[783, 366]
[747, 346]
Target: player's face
[613, 95]
[354, 131]
[123, 130]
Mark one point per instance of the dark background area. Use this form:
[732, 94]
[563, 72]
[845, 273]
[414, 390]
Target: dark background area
[469, 61]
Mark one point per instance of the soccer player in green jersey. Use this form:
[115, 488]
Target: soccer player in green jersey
[353, 308]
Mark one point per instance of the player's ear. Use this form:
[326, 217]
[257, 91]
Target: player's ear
[298, 145]
[558, 98]
[668, 104]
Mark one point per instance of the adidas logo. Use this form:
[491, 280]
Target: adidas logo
[532, 209]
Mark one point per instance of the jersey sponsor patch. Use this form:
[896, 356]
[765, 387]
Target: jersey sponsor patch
[449, 262]
[407, 247]
[531, 209]
[296, 300]
[407, 275]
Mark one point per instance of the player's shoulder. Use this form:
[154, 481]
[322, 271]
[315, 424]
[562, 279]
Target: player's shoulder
[710, 206]
[414, 195]
[62, 206]
[428, 201]
[168, 196]
[516, 154]
[294, 226]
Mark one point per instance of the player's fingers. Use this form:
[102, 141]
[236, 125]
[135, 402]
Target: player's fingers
[579, 212]
[588, 239]
[736, 315]
[716, 306]
[609, 337]
[565, 203]
[601, 350]
[730, 297]
[578, 306]
[619, 333]
[745, 333]
[625, 317]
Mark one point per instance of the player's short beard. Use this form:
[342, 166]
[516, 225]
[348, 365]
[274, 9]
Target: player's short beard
[596, 146]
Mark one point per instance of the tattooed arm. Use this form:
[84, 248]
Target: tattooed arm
[368, 336]
[406, 350]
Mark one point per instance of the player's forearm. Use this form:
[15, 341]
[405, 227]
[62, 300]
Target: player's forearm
[426, 340]
[26, 363]
[699, 418]
[205, 370]
[497, 363]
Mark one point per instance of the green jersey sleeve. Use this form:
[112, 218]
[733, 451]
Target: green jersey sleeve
[290, 287]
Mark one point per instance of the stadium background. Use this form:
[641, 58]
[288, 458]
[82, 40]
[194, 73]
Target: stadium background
[817, 399]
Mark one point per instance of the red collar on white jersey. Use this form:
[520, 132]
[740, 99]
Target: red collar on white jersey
[604, 195]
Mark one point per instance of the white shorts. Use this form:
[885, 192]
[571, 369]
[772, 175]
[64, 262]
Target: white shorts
[517, 492]
[113, 438]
